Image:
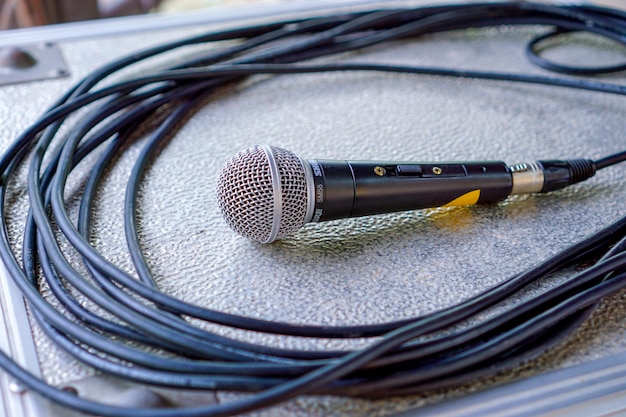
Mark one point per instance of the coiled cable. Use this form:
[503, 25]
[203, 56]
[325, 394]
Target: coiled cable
[406, 357]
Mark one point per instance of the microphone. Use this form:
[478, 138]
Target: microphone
[265, 193]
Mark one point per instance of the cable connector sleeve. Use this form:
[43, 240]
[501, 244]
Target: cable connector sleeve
[559, 174]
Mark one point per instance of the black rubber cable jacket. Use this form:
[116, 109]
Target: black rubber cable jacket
[409, 355]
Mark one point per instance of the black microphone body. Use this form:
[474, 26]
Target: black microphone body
[360, 188]
[266, 193]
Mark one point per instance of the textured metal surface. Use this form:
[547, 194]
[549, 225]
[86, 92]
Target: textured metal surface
[364, 270]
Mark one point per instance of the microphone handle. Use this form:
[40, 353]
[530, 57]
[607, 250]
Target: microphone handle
[345, 189]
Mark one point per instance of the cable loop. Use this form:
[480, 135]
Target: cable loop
[534, 49]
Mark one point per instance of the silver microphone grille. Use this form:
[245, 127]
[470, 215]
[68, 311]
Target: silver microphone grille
[262, 193]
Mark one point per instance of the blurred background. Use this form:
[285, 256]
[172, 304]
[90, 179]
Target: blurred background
[26, 13]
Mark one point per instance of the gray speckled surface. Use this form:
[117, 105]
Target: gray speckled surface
[364, 270]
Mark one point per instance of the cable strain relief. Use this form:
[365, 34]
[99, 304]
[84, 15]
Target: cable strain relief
[561, 173]
[582, 169]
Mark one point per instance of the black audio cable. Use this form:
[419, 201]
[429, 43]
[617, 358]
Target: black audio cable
[406, 356]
